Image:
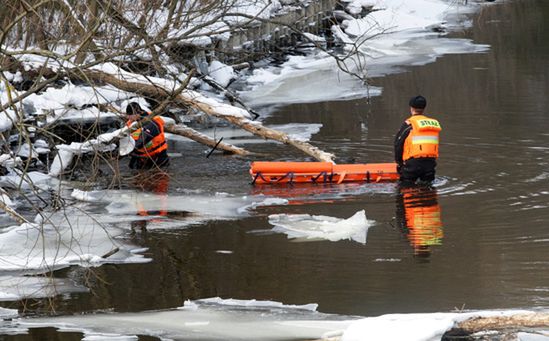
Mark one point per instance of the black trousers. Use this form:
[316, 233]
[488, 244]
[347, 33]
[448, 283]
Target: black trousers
[421, 168]
[159, 160]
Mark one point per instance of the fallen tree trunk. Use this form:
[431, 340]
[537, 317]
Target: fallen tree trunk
[182, 130]
[188, 98]
[534, 320]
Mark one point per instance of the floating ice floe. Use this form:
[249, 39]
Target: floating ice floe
[65, 238]
[305, 226]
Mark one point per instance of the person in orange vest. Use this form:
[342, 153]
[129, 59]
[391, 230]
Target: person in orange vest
[416, 144]
[151, 148]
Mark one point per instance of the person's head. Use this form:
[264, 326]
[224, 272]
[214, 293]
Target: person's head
[417, 105]
[134, 111]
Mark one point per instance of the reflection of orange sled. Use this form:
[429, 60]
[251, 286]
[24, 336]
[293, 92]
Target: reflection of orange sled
[264, 172]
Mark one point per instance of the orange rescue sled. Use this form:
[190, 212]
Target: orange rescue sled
[266, 172]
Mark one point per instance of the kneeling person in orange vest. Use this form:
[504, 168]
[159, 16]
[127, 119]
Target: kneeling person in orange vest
[416, 144]
[151, 148]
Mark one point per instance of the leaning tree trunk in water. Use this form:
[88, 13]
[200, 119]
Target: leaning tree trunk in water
[186, 98]
[193, 99]
[183, 130]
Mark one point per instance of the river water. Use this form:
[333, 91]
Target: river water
[477, 240]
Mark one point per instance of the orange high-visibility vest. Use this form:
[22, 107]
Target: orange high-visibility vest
[423, 138]
[156, 145]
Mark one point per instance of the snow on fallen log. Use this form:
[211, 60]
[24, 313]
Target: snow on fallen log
[162, 89]
[236, 116]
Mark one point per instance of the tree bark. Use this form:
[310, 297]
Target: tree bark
[534, 320]
[182, 130]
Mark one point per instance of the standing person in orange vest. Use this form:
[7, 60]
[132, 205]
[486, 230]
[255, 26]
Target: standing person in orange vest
[416, 144]
[151, 148]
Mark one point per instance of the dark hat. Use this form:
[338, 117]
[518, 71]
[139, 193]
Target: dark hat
[418, 102]
[134, 108]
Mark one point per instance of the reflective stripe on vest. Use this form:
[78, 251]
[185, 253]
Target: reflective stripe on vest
[423, 139]
[433, 139]
[156, 145]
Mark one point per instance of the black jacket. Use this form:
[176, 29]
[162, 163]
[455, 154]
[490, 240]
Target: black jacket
[399, 141]
[149, 131]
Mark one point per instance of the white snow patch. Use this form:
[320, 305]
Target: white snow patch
[221, 73]
[411, 327]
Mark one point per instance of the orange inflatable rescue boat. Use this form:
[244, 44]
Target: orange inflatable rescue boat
[267, 172]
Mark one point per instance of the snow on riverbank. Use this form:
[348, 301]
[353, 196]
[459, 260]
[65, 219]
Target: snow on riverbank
[396, 34]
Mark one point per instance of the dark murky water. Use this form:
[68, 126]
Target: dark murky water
[478, 240]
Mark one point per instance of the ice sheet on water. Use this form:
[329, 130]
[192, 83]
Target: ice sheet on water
[217, 320]
[65, 238]
[199, 207]
[303, 79]
[245, 320]
[8, 313]
[14, 288]
[409, 38]
[305, 226]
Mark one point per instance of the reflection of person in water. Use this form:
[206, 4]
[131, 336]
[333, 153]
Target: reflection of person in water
[418, 215]
[157, 183]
